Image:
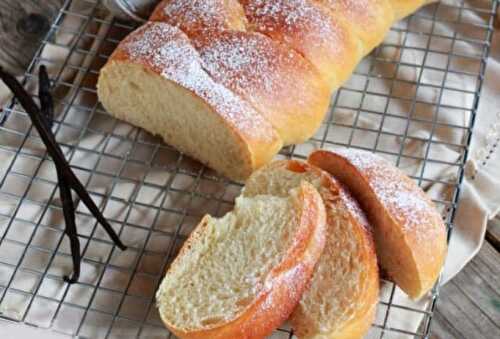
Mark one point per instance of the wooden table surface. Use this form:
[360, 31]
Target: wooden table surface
[22, 24]
[469, 306]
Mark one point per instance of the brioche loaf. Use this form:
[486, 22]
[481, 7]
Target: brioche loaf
[248, 77]
[155, 80]
[241, 276]
[369, 20]
[343, 294]
[410, 235]
[269, 75]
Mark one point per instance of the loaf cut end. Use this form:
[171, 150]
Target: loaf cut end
[155, 80]
[131, 93]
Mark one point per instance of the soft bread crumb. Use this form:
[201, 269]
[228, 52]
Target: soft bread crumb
[224, 267]
[343, 293]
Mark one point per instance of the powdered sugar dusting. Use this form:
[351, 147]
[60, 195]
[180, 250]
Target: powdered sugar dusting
[251, 63]
[200, 14]
[302, 21]
[232, 56]
[168, 51]
[353, 9]
[404, 200]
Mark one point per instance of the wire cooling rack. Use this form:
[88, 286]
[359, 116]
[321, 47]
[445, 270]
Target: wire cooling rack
[154, 196]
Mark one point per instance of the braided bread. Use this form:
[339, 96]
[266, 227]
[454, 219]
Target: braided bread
[230, 82]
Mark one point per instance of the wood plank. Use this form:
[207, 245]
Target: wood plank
[480, 292]
[493, 233]
[22, 25]
[442, 328]
[469, 306]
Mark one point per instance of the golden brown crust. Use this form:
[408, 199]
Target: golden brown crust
[308, 28]
[167, 52]
[278, 82]
[193, 16]
[403, 8]
[284, 87]
[409, 232]
[285, 284]
[370, 20]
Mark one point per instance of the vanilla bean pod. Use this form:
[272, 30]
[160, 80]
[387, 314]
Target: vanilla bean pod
[42, 120]
[68, 205]
[46, 101]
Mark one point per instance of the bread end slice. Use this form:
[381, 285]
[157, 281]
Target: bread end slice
[241, 276]
[409, 233]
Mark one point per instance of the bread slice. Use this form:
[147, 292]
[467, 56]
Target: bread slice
[241, 276]
[343, 294]
[410, 235]
[155, 80]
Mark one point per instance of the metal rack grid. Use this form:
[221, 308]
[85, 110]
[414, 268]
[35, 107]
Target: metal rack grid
[154, 196]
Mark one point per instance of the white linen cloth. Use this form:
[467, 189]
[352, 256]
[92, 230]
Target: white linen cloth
[480, 197]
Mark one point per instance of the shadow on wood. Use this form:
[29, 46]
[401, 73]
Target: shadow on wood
[469, 305]
[22, 25]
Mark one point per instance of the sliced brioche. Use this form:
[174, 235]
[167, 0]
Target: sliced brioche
[342, 298]
[155, 80]
[241, 276]
[308, 28]
[409, 232]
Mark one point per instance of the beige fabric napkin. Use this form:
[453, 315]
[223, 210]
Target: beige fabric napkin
[479, 200]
